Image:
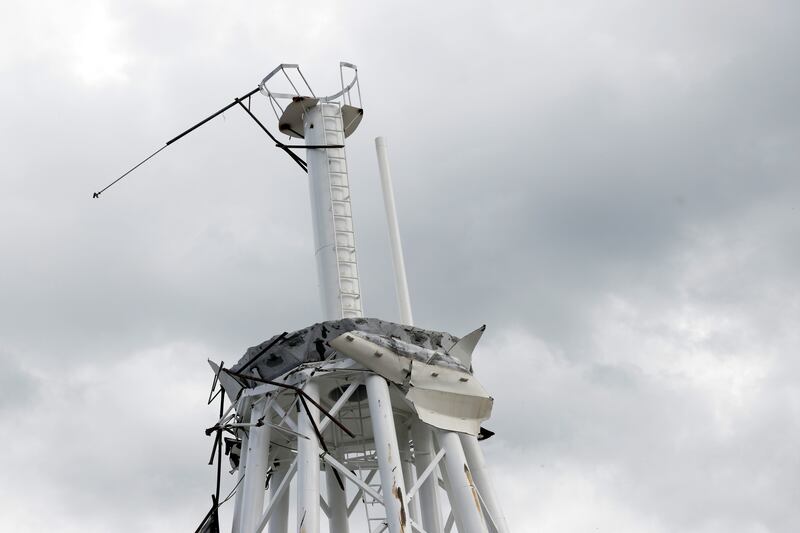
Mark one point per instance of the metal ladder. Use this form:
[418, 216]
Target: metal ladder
[349, 286]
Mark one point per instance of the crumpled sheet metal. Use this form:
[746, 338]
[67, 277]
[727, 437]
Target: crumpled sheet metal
[439, 386]
[310, 345]
[443, 396]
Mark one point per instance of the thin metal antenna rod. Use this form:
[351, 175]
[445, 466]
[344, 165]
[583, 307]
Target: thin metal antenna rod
[177, 137]
[140, 163]
[211, 117]
[236, 101]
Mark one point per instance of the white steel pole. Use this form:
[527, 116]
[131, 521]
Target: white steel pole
[334, 238]
[409, 473]
[385, 437]
[237, 509]
[428, 493]
[308, 466]
[461, 489]
[322, 215]
[337, 503]
[257, 461]
[400, 280]
[480, 474]
[279, 521]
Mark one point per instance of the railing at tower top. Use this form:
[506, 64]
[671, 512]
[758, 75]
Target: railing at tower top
[293, 76]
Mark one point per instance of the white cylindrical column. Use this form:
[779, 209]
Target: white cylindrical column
[308, 466]
[461, 489]
[237, 506]
[257, 461]
[279, 520]
[334, 238]
[480, 474]
[391, 471]
[400, 280]
[427, 495]
[337, 503]
[322, 215]
[409, 473]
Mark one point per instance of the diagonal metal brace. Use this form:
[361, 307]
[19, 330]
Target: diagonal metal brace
[425, 473]
[352, 477]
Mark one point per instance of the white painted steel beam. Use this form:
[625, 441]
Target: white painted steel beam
[337, 503]
[480, 474]
[352, 506]
[448, 527]
[425, 474]
[386, 448]
[430, 511]
[352, 477]
[237, 505]
[253, 490]
[334, 238]
[409, 472]
[279, 494]
[338, 405]
[308, 466]
[461, 489]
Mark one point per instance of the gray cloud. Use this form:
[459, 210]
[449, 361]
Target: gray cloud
[610, 188]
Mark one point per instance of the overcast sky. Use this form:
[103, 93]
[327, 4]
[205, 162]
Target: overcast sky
[612, 187]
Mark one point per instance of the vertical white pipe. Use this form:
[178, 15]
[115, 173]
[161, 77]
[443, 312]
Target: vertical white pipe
[257, 460]
[279, 521]
[319, 182]
[308, 466]
[480, 474]
[337, 503]
[409, 473]
[461, 490]
[237, 509]
[398, 262]
[385, 437]
[428, 494]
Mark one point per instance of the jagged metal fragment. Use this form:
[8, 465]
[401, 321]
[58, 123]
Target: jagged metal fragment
[433, 368]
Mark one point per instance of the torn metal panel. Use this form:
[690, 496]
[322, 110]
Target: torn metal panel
[448, 399]
[231, 387]
[463, 349]
[443, 394]
[432, 368]
[381, 359]
[310, 344]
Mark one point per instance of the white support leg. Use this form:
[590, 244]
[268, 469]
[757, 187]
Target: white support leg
[256, 473]
[480, 474]
[428, 495]
[279, 521]
[461, 489]
[409, 473]
[308, 466]
[392, 484]
[237, 509]
[337, 503]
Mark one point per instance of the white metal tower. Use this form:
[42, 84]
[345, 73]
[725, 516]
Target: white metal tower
[388, 413]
